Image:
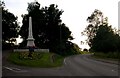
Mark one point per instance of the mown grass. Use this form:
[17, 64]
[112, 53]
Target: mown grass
[110, 55]
[44, 60]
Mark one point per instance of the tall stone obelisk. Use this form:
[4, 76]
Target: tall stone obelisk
[30, 40]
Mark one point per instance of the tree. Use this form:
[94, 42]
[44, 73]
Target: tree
[105, 40]
[10, 26]
[101, 37]
[2, 4]
[86, 50]
[48, 29]
[95, 20]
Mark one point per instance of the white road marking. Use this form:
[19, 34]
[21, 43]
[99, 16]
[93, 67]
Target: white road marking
[8, 68]
[65, 61]
[14, 69]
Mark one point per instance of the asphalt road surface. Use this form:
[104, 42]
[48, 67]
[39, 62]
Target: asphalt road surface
[77, 65]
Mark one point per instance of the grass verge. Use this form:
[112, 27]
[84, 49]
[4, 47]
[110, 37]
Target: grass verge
[43, 60]
[108, 56]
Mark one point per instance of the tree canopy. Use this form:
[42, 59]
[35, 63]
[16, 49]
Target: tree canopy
[10, 26]
[101, 36]
[48, 29]
[105, 40]
[94, 20]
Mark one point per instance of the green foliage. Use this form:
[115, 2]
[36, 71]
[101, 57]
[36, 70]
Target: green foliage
[105, 40]
[48, 29]
[110, 55]
[68, 49]
[95, 20]
[38, 60]
[10, 26]
[101, 37]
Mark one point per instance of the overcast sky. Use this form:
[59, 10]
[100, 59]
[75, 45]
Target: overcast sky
[75, 12]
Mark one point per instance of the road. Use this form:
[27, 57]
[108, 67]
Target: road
[77, 65]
